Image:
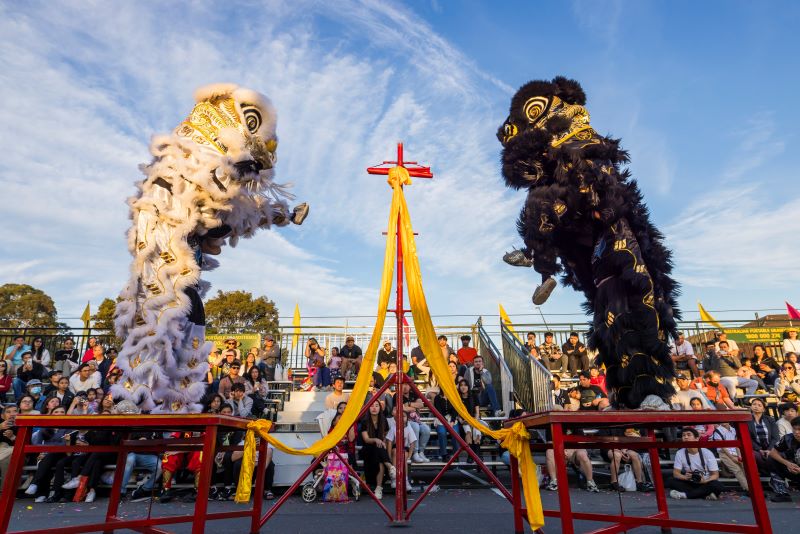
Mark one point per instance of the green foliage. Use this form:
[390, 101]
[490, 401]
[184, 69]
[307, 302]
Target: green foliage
[23, 306]
[238, 311]
[103, 323]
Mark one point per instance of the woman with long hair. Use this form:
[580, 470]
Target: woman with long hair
[45, 474]
[254, 382]
[469, 434]
[317, 369]
[250, 361]
[374, 428]
[790, 341]
[107, 403]
[25, 405]
[39, 352]
[214, 404]
[788, 380]
[763, 432]
[6, 382]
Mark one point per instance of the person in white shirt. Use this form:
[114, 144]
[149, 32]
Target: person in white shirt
[695, 473]
[684, 395]
[791, 343]
[85, 379]
[788, 412]
[730, 457]
[684, 357]
[733, 348]
[337, 395]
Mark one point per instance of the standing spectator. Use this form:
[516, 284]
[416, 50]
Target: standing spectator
[89, 352]
[351, 357]
[763, 432]
[466, 354]
[412, 404]
[8, 436]
[721, 336]
[480, 382]
[580, 459]
[790, 341]
[14, 352]
[374, 429]
[335, 362]
[336, 396]
[270, 358]
[577, 357]
[6, 382]
[788, 380]
[684, 357]
[242, 404]
[783, 463]
[685, 394]
[27, 371]
[387, 354]
[716, 393]
[531, 347]
[731, 457]
[788, 412]
[695, 473]
[40, 353]
[764, 366]
[317, 370]
[227, 382]
[67, 358]
[552, 357]
[727, 364]
[591, 397]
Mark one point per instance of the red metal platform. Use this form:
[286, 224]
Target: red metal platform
[206, 424]
[560, 423]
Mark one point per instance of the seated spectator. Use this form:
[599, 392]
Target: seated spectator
[783, 463]
[685, 394]
[461, 368]
[446, 349]
[788, 380]
[412, 404]
[580, 459]
[114, 374]
[242, 404]
[255, 383]
[226, 382]
[560, 396]
[317, 369]
[790, 342]
[335, 362]
[336, 396]
[716, 393]
[250, 361]
[598, 378]
[26, 405]
[445, 408]
[728, 365]
[695, 473]
[45, 473]
[351, 357]
[747, 371]
[577, 356]
[684, 357]
[387, 354]
[466, 354]
[102, 363]
[704, 431]
[80, 404]
[232, 345]
[8, 436]
[214, 404]
[731, 457]
[765, 366]
[551, 356]
[6, 382]
[84, 380]
[480, 383]
[40, 353]
[51, 384]
[763, 433]
[788, 412]
[791, 357]
[67, 359]
[471, 435]
[48, 405]
[89, 477]
[591, 396]
[531, 347]
[148, 462]
[28, 370]
[619, 457]
[223, 363]
[15, 351]
[453, 368]
[574, 396]
[374, 453]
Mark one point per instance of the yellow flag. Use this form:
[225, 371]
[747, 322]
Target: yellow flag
[706, 318]
[507, 322]
[86, 316]
[296, 325]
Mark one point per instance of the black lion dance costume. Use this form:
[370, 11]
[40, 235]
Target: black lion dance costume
[584, 219]
[211, 182]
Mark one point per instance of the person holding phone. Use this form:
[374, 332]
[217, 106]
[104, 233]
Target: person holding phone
[8, 436]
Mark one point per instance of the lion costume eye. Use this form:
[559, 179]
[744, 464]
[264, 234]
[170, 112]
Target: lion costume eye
[535, 107]
[252, 118]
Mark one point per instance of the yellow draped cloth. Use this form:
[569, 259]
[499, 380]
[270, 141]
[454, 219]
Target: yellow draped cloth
[516, 439]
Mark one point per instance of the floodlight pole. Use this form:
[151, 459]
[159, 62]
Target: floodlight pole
[399, 311]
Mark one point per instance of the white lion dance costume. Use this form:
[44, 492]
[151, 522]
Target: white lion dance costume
[210, 181]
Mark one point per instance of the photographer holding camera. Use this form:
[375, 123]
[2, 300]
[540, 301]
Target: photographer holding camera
[695, 474]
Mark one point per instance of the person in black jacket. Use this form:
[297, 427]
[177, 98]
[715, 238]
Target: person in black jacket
[764, 433]
[444, 407]
[29, 369]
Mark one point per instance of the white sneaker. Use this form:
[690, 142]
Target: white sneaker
[592, 487]
[72, 484]
[379, 492]
[424, 458]
[394, 484]
[40, 498]
[712, 497]
[417, 458]
[392, 473]
[675, 494]
[31, 489]
[90, 496]
[107, 478]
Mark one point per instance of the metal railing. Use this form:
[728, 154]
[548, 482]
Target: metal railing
[502, 378]
[531, 378]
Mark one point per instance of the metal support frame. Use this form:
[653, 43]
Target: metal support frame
[559, 422]
[207, 424]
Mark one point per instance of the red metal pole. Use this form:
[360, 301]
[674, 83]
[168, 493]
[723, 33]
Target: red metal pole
[12, 476]
[515, 491]
[400, 450]
[560, 459]
[204, 480]
[753, 481]
[258, 500]
[116, 486]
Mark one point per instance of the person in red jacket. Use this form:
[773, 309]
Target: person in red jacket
[466, 353]
[598, 379]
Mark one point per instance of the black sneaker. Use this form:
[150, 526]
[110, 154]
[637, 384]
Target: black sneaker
[226, 494]
[644, 486]
[213, 492]
[780, 497]
[614, 486]
[189, 496]
[139, 495]
[166, 495]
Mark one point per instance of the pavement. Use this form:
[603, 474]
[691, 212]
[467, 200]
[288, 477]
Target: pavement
[452, 509]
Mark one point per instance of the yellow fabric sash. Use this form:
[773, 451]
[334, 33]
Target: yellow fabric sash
[516, 439]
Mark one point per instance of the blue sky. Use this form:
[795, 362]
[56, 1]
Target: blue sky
[701, 93]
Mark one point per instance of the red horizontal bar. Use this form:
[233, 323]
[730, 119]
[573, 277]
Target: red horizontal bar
[630, 418]
[417, 172]
[132, 422]
[656, 521]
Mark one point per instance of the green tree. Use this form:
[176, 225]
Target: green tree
[103, 322]
[236, 311]
[23, 306]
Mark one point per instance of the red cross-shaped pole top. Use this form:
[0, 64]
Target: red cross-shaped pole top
[412, 167]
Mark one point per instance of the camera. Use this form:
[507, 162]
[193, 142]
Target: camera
[696, 476]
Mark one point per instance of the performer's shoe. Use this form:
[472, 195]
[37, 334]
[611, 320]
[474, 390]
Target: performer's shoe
[166, 495]
[299, 213]
[517, 258]
[543, 291]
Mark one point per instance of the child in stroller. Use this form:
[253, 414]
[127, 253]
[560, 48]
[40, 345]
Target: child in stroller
[334, 477]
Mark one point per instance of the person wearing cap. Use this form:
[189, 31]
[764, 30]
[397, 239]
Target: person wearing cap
[227, 382]
[684, 357]
[387, 354]
[720, 336]
[790, 341]
[577, 357]
[34, 388]
[466, 354]
[552, 357]
[684, 395]
[28, 370]
[351, 356]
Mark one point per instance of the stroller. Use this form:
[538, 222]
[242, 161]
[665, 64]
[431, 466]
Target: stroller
[332, 479]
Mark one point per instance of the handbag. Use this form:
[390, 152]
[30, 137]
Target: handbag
[626, 479]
